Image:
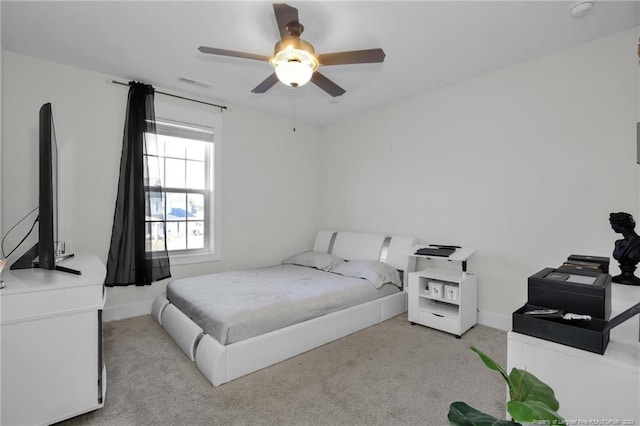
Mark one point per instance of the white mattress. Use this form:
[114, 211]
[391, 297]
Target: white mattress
[233, 306]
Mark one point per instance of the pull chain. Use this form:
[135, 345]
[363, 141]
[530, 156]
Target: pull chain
[294, 109]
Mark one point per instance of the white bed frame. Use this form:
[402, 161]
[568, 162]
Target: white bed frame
[223, 363]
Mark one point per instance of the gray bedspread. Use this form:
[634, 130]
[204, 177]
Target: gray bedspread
[233, 306]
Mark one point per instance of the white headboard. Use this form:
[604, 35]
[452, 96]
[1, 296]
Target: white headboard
[360, 246]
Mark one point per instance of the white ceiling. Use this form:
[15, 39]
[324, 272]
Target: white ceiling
[428, 44]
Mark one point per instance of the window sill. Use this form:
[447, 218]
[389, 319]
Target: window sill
[186, 259]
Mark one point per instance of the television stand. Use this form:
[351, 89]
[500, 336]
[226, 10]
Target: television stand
[60, 268]
[64, 268]
[26, 260]
[29, 260]
[67, 270]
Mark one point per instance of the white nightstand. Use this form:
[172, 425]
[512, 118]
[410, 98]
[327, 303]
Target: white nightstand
[443, 299]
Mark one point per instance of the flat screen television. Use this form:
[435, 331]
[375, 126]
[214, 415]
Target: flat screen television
[43, 253]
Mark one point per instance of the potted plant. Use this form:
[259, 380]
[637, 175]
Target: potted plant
[531, 400]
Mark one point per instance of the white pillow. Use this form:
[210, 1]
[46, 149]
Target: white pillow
[314, 259]
[377, 273]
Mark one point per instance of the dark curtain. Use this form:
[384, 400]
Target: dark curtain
[131, 258]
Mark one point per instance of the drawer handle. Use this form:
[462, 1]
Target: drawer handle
[438, 315]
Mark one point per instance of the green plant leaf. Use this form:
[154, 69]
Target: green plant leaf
[492, 364]
[461, 414]
[533, 411]
[527, 387]
[531, 400]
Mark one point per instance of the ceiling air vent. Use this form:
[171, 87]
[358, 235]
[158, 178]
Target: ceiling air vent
[194, 82]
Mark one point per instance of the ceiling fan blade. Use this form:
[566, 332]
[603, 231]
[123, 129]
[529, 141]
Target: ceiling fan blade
[352, 57]
[266, 84]
[284, 15]
[327, 85]
[233, 53]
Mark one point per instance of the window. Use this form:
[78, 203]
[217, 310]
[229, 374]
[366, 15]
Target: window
[182, 160]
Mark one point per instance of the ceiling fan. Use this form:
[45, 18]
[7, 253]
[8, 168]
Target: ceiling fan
[294, 59]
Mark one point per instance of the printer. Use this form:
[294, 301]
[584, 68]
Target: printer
[579, 291]
[580, 286]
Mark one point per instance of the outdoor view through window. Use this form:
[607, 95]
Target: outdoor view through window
[181, 166]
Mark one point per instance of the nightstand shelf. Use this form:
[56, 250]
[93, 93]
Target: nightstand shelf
[443, 299]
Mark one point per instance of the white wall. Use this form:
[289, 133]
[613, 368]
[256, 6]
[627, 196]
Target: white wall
[1, 102]
[270, 175]
[1, 98]
[524, 165]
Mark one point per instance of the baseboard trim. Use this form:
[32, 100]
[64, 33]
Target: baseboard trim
[115, 313]
[493, 320]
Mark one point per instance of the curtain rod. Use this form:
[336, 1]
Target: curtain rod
[177, 96]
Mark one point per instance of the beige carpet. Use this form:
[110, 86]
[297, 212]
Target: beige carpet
[389, 374]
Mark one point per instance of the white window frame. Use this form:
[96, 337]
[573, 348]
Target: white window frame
[201, 118]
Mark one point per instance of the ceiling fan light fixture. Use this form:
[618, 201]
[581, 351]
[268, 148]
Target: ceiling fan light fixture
[294, 60]
[294, 67]
[294, 73]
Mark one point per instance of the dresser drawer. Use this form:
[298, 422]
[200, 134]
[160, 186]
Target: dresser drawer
[40, 304]
[430, 319]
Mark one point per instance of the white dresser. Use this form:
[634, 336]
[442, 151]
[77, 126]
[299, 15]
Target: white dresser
[592, 389]
[51, 365]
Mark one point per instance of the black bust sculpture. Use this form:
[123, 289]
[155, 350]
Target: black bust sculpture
[627, 250]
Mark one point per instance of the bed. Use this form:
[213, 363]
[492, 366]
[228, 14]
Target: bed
[234, 323]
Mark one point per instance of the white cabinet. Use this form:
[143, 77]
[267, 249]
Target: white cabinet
[592, 389]
[51, 365]
[443, 299]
